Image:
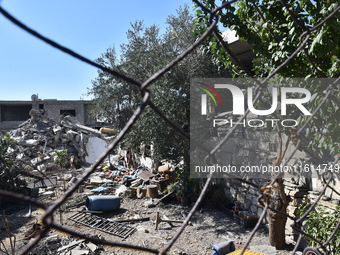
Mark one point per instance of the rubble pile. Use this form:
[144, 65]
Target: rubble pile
[36, 143]
[37, 139]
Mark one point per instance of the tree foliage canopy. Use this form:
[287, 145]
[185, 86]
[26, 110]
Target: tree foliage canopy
[148, 50]
[291, 39]
[275, 30]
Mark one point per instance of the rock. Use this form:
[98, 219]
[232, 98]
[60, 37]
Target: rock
[31, 142]
[92, 246]
[149, 204]
[142, 229]
[325, 198]
[80, 252]
[121, 190]
[53, 239]
[96, 180]
[265, 249]
[298, 193]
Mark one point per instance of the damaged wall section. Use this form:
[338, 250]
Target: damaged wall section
[77, 109]
[13, 113]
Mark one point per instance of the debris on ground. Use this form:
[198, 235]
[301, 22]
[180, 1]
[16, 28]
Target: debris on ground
[121, 201]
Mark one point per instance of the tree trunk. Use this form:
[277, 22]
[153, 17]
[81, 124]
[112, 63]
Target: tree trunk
[277, 221]
[277, 200]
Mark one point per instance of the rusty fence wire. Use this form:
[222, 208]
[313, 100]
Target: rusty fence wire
[146, 88]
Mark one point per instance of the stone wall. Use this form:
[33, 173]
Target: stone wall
[260, 147]
[248, 148]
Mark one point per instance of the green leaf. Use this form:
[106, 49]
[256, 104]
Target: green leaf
[317, 41]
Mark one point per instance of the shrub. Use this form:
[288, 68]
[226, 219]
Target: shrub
[7, 173]
[320, 224]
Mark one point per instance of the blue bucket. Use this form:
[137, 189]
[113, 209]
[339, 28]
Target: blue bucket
[102, 203]
[223, 248]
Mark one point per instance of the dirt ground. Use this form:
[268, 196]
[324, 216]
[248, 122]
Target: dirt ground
[209, 226]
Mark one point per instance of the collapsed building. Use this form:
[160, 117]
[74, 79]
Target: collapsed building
[36, 144]
[36, 140]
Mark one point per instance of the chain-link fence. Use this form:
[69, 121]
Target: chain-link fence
[146, 88]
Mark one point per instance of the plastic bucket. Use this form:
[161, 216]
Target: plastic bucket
[102, 203]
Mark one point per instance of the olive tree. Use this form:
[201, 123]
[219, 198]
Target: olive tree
[149, 49]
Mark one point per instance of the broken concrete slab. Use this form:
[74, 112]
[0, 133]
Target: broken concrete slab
[71, 245]
[80, 252]
[95, 147]
[92, 247]
[67, 122]
[96, 180]
[265, 249]
[53, 239]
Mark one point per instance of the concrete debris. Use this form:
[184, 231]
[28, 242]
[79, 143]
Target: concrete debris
[96, 180]
[121, 190]
[65, 246]
[264, 249]
[39, 142]
[71, 245]
[36, 140]
[92, 247]
[149, 204]
[95, 147]
[68, 122]
[142, 229]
